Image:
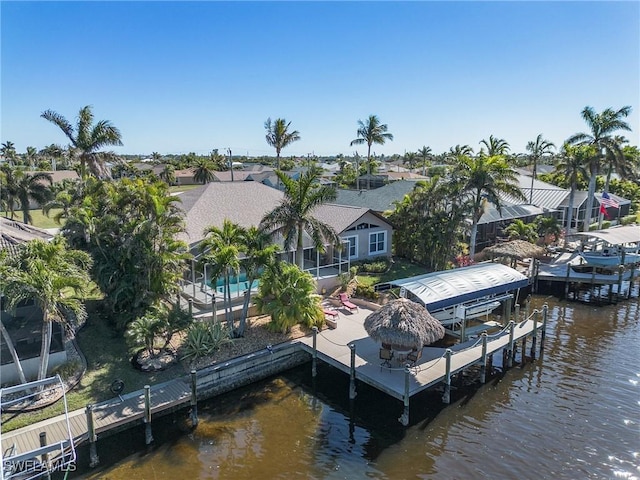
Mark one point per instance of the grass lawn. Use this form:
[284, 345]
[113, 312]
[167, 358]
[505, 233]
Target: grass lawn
[40, 220]
[400, 268]
[182, 188]
[108, 359]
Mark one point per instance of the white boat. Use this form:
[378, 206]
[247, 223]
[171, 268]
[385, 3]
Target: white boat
[455, 314]
[610, 258]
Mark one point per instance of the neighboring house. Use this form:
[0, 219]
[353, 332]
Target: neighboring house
[185, 177]
[379, 200]
[366, 234]
[24, 323]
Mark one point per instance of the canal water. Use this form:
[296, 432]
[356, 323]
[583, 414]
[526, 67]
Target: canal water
[574, 414]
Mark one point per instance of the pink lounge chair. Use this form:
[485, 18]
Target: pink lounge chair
[333, 314]
[346, 303]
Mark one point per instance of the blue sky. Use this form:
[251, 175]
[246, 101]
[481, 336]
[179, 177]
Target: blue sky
[176, 77]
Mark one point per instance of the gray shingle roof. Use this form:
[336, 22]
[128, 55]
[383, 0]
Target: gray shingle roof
[379, 199]
[13, 233]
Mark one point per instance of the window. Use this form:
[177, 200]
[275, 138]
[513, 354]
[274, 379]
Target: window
[352, 247]
[377, 242]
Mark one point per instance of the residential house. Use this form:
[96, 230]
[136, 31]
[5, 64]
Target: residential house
[365, 233]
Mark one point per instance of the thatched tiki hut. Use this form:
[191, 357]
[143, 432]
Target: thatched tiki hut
[514, 250]
[404, 325]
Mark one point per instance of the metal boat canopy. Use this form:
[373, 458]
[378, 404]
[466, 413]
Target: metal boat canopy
[438, 290]
[616, 235]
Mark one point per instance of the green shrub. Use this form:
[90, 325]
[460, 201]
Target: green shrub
[366, 291]
[605, 224]
[628, 220]
[374, 266]
[203, 339]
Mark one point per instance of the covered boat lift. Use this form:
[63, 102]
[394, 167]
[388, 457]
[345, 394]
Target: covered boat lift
[452, 295]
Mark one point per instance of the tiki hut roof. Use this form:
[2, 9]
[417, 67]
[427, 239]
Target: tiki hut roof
[515, 249]
[404, 325]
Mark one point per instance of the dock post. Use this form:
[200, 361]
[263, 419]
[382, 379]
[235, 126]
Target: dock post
[523, 354]
[483, 367]
[191, 307]
[534, 333]
[633, 270]
[314, 358]
[517, 312]
[352, 379]
[91, 431]
[510, 352]
[527, 310]
[404, 419]
[446, 398]
[566, 281]
[620, 274]
[45, 456]
[543, 334]
[148, 435]
[194, 399]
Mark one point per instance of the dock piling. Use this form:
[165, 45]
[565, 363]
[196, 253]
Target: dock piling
[523, 353]
[534, 333]
[91, 431]
[517, 312]
[446, 398]
[543, 334]
[510, 350]
[45, 456]
[404, 418]
[483, 367]
[352, 379]
[148, 435]
[314, 358]
[194, 399]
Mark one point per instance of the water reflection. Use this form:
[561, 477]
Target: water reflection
[572, 415]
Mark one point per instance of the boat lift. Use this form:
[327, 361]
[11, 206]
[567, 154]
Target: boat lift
[39, 462]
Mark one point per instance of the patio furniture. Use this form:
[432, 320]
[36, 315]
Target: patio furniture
[331, 317]
[386, 355]
[346, 303]
[414, 356]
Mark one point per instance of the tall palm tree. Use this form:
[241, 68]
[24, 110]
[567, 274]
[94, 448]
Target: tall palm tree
[54, 153]
[481, 180]
[495, 146]
[88, 139]
[411, 160]
[278, 136]
[294, 216]
[204, 171]
[5, 276]
[538, 149]
[31, 157]
[426, 155]
[572, 164]
[31, 186]
[53, 276]
[8, 152]
[601, 126]
[371, 131]
[222, 247]
[459, 151]
[259, 252]
[9, 189]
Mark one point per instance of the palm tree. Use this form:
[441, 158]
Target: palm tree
[278, 136]
[8, 189]
[518, 230]
[31, 186]
[371, 131]
[8, 152]
[459, 151]
[259, 252]
[548, 225]
[88, 139]
[63, 200]
[54, 153]
[48, 273]
[483, 180]
[572, 164]
[31, 157]
[287, 294]
[222, 247]
[411, 160]
[5, 275]
[204, 171]
[537, 149]
[425, 155]
[495, 146]
[156, 157]
[602, 127]
[294, 216]
[168, 174]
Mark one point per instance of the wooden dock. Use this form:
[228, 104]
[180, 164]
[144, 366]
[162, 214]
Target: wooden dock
[333, 348]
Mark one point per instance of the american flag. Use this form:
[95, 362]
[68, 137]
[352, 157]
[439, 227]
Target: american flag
[607, 201]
